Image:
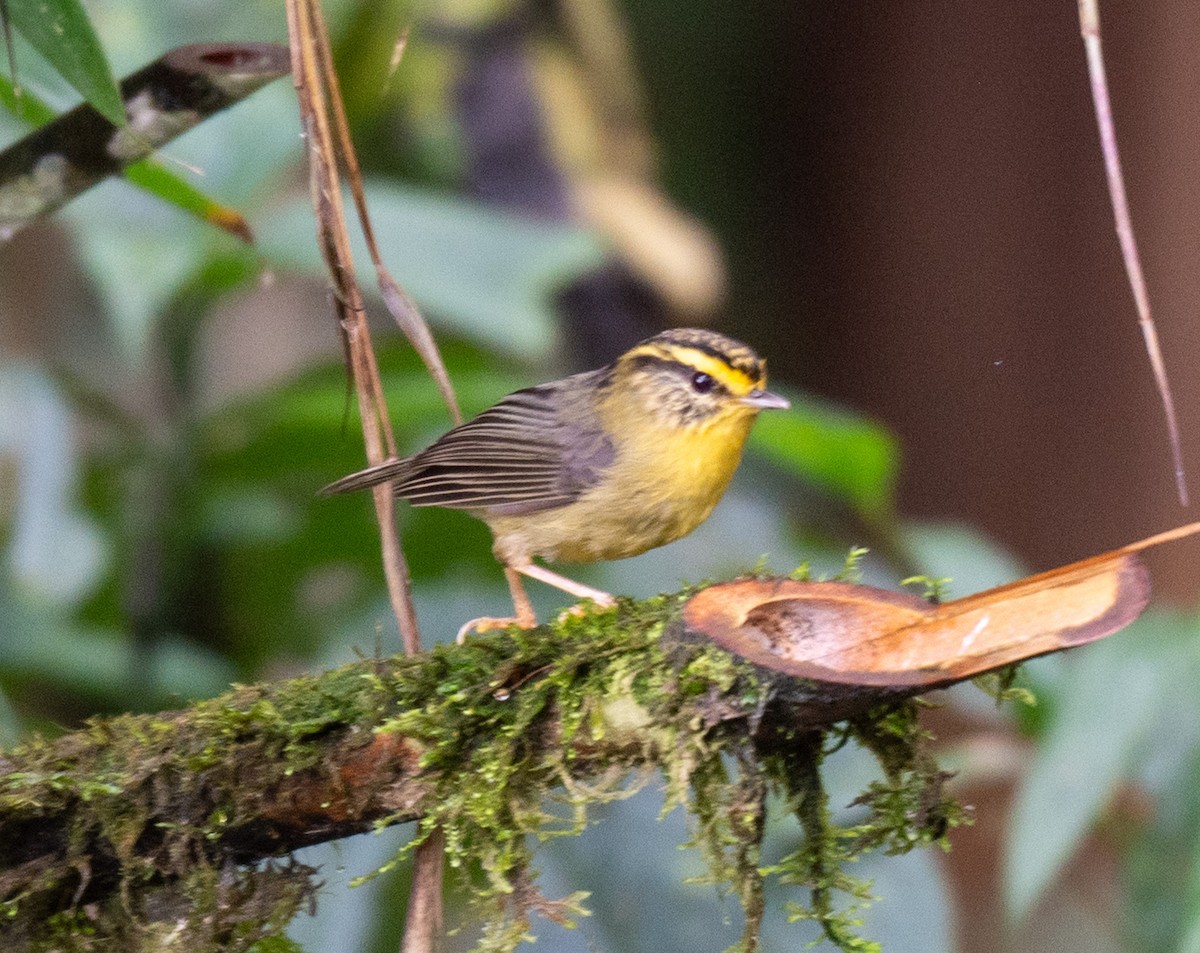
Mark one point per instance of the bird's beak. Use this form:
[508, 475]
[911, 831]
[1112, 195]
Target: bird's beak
[765, 400]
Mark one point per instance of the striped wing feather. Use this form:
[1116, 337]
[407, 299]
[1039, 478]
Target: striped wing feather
[372, 476]
[519, 456]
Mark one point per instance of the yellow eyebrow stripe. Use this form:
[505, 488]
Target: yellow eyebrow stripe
[736, 382]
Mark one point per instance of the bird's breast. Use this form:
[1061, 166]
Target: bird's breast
[661, 485]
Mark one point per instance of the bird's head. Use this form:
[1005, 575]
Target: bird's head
[695, 377]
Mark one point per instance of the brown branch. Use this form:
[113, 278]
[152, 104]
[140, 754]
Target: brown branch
[65, 157]
[755, 667]
[139, 802]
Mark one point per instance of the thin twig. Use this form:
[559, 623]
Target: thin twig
[311, 91]
[1089, 24]
[319, 94]
[9, 49]
[402, 308]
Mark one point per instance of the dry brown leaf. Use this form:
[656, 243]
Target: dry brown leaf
[860, 635]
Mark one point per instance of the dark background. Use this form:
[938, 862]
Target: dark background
[918, 218]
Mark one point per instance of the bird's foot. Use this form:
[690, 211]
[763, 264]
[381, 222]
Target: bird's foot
[601, 600]
[490, 623]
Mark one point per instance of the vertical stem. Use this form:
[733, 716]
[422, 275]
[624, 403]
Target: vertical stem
[423, 922]
[317, 90]
[312, 93]
[1089, 25]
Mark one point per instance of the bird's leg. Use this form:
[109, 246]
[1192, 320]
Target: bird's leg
[525, 617]
[577, 589]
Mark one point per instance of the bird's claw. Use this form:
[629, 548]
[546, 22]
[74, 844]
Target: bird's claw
[602, 600]
[489, 623]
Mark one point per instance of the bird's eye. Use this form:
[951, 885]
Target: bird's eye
[702, 383]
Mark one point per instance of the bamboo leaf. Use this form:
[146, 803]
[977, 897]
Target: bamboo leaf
[61, 32]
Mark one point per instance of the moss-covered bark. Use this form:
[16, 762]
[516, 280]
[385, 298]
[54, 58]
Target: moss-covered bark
[140, 832]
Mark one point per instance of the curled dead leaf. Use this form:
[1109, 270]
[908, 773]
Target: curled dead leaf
[861, 635]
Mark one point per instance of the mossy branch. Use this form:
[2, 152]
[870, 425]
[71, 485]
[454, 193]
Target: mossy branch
[144, 825]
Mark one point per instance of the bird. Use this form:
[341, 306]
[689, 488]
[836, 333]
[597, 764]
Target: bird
[601, 465]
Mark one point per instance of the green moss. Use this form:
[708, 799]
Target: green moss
[1001, 685]
[934, 589]
[139, 795]
[851, 571]
[578, 706]
[611, 679]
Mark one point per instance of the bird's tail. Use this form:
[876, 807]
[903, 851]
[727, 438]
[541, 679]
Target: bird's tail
[372, 476]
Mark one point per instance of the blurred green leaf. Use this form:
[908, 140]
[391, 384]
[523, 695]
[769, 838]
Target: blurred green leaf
[147, 174]
[172, 188]
[26, 107]
[1190, 940]
[1163, 868]
[294, 566]
[1106, 707]
[137, 271]
[61, 32]
[845, 454]
[479, 272]
[276, 944]
[10, 724]
[44, 645]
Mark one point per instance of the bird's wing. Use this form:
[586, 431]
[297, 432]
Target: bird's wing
[372, 476]
[520, 456]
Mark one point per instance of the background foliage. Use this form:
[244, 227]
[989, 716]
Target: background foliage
[171, 399]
